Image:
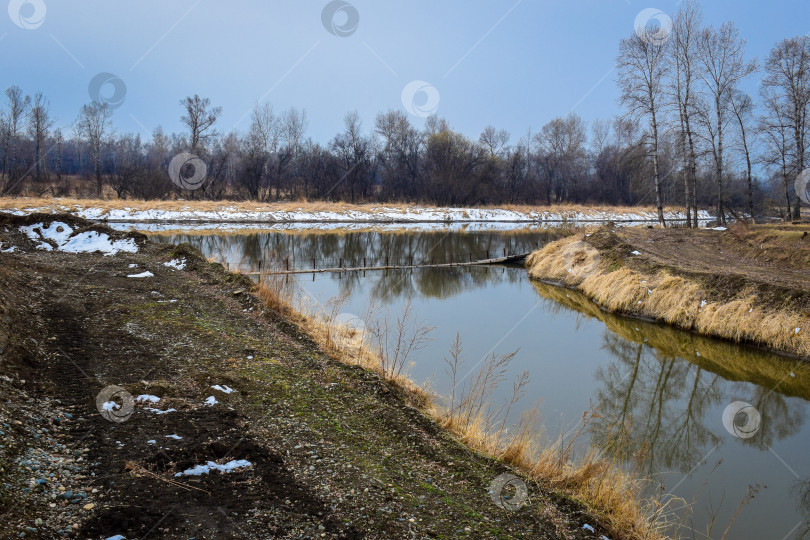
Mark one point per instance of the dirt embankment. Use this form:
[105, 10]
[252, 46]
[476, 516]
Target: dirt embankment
[749, 284]
[311, 448]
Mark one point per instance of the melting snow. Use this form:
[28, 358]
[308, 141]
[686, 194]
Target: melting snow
[208, 467]
[211, 401]
[635, 252]
[588, 528]
[158, 411]
[177, 264]
[116, 537]
[147, 397]
[142, 275]
[151, 441]
[12, 249]
[86, 242]
[175, 437]
[224, 388]
[719, 229]
[110, 406]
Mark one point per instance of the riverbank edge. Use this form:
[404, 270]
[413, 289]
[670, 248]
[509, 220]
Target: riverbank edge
[603, 267]
[240, 284]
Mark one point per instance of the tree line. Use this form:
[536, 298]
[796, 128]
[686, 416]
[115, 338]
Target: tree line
[688, 136]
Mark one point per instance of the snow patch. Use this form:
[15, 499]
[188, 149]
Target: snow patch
[147, 397]
[635, 253]
[177, 264]
[158, 411]
[86, 242]
[224, 388]
[211, 400]
[210, 466]
[175, 437]
[142, 275]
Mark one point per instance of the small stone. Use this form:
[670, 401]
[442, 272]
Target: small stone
[88, 506]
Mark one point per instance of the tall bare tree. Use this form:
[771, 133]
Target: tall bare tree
[775, 128]
[787, 80]
[683, 83]
[743, 108]
[200, 118]
[642, 63]
[722, 55]
[494, 140]
[94, 126]
[39, 125]
[18, 108]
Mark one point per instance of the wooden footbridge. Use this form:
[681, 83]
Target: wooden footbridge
[351, 266]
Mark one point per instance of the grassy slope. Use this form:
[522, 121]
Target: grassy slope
[747, 285]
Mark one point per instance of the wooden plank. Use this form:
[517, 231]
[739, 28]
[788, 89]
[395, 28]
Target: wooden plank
[482, 262]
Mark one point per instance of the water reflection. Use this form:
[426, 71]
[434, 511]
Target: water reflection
[660, 392]
[364, 249]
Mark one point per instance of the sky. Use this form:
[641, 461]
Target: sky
[514, 64]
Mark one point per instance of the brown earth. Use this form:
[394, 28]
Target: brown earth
[749, 283]
[334, 451]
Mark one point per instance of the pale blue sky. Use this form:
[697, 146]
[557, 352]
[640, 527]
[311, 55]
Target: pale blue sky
[513, 64]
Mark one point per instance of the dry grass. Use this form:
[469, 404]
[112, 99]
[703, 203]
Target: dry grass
[615, 496]
[73, 204]
[672, 299]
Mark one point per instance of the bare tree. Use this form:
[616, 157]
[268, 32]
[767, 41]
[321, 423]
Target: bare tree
[787, 81]
[642, 63]
[354, 151]
[722, 55]
[494, 140]
[39, 124]
[94, 125]
[18, 108]
[743, 108]
[561, 156]
[683, 82]
[200, 118]
[775, 127]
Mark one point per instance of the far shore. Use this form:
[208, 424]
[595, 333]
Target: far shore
[245, 212]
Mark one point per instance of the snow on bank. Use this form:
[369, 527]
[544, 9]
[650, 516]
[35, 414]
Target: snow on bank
[210, 466]
[61, 234]
[142, 275]
[381, 214]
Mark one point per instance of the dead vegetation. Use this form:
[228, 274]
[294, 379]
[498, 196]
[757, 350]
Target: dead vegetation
[66, 204]
[714, 286]
[616, 495]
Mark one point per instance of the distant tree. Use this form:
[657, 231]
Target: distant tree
[399, 155]
[561, 155]
[94, 125]
[354, 152]
[200, 118]
[774, 126]
[18, 108]
[494, 140]
[743, 108]
[683, 82]
[39, 126]
[722, 55]
[787, 83]
[642, 63]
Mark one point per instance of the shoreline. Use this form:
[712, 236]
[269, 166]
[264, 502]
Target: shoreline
[124, 211]
[687, 279]
[292, 412]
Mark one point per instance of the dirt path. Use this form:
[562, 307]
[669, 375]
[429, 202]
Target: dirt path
[775, 255]
[318, 449]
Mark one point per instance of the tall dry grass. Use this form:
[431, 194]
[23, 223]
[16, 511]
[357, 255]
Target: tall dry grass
[615, 495]
[669, 298]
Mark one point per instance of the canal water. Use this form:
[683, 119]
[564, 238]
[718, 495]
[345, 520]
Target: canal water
[720, 426]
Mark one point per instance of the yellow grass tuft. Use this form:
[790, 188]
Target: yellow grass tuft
[672, 299]
[615, 497]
